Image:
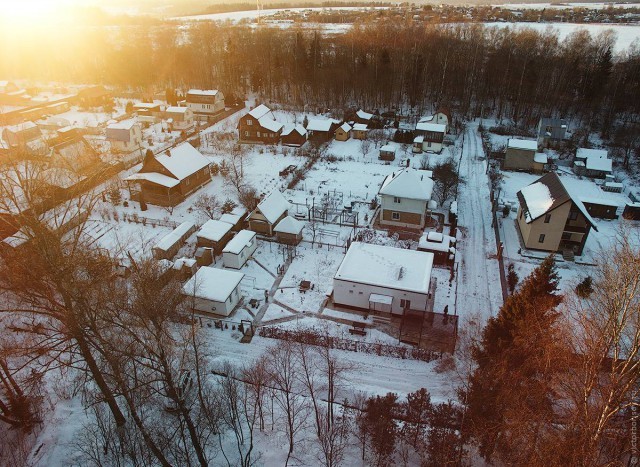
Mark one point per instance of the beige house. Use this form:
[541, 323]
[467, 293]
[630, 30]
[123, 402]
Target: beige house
[551, 219]
[522, 154]
[289, 231]
[343, 132]
[404, 198]
[181, 118]
[205, 102]
[360, 131]
[271, 210]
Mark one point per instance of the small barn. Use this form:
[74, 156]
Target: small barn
[289, 231]
[185, 267]
[360, 131]
[388, 152]
[214, 291]
[239, 249]
[214, 234]
[169, 245]
[271, 210]
[442, 247]
[236, 218]
[321, 131]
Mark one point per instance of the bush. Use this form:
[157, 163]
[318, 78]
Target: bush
[585, 288]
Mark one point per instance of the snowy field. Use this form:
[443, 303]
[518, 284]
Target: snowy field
[565, 6]
[626, 34]
[235, 16]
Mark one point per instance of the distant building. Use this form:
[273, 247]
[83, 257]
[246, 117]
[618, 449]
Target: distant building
[432, 135]
[404, 198]
[259, 126]
[363, 117]
[205, 102]
[551, 132]
[388, 152]
[124, 136]
[321, 130]
[522, 154]
[93, 96]
[593, 163]
[294, 135]
[214, 234]
[343, 132]
[167, 179]
[360, 131]
[384, 279]
[550, 218]
[442, 116]
[180, 118]
[25, 138]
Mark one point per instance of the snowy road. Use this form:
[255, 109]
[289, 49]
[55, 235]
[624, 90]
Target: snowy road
[479, 292]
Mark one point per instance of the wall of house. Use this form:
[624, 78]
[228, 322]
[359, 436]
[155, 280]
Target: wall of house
[412, 211]
[294, 139]
[552, 230]
[125, 146]
[207, 107]
[258, 223]
[519, 159]
[342, 135]
[288, 239]
[359, 134]
[217, 308]
[357, 295]
[431, 146]
[217, 246]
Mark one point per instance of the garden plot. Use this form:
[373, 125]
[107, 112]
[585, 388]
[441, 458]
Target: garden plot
[275, 312]
[317, 265]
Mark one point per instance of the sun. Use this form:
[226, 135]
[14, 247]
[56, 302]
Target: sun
[31, 12]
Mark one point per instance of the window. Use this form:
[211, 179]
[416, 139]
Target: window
[405, 304]
[566, 236]
[429, 144]
[573, 215]
[396, 200]
[258, 134]
[213, 308]
[350, 291]
[395, 216]
[246, 133]
[520, 214]
[249, 122]
[541, 238]
[547, 218]
[359, 293]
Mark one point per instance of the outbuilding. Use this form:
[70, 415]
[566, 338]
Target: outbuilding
[239, 249]
[214, 234]
[388, 152]
[289, 231]
[169, 245]
[214, 291]
[271, 210]
[385, 279]
[441, 245]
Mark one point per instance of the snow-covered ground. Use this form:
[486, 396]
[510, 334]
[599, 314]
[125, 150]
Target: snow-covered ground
[565, 6]
[235, 16]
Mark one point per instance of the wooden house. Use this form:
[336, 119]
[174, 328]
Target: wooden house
[551, 132]
[169, 245]
[388, 152]
[432, 136]
[237, 218]
[343, 132]
[25, 138]
[180, 118]
[293, 135]
[214, 234]
[442, 246]
[93, 96]
[271, 210]
[359, 131]
[321, 131]
[167, 179]
[259, 126]
[522, 154]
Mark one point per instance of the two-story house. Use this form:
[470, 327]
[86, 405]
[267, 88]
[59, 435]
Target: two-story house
[551, 219]
[259, 126]
[522, 154]
[124, 136]
[180, 118]
[430, 135]
[551, 132]
[167, 179]
[404, 198]
[205, 102]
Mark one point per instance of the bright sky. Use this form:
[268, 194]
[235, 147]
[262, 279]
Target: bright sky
[34, 12]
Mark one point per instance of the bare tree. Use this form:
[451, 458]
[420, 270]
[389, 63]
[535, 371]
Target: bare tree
[365, 146]
[248, 197]
[208, 205]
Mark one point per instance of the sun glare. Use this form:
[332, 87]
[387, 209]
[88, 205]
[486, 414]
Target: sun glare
[31, 12]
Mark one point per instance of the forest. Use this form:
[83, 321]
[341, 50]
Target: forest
[385, 63]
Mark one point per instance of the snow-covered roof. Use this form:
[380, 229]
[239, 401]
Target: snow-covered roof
[408, 183]
[177, 110]
[528, 144]
[182, 160]
[345, 127]
[435, 127]
[419, 139]
[540, 158]
[426, 119]
[288, 129]
[436, 241]
[123, 125]
[319, 125]
[538, 199]
[289, 225]
[19, 127]
[260, 111]
[389, 147]
[385, 266]
[154, 177]
[270, 124]
[584, 153]
[213, 284]
[599, 164]
[202, 92]
[214, 230]
[364, 115]
[181, 262]
[174, 236]
[232, 219]
[237, 243]
[360, 127]
[273, 206]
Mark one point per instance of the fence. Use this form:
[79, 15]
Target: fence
[311, 337]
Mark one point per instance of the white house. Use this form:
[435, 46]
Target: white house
[124, 136]
[441, 117]
[386, 279]
[432, 136]
[214, 291]
[239, 249]
[205, 102]
[404, 198]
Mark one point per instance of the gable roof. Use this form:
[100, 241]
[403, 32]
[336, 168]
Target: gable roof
[585, 153]
[214, 230]
[345, 127]
[360, 127]
[177, 110]
[546, 194]
[202, 92]
[320, 125]
[364, 115]
[435, 127]
[182, 160]
[237, 243]
[408, 183]
[213, 284]
[273, 206]
[270, 123]
[289, 225]
[259, 111]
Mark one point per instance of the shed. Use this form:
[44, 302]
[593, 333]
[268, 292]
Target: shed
[185, 267]
[239, 249]
[360, 131]
[235, 218]
[214, 291]
[273, 208]
[387, 152]
[169, 245]
[289, 231]
[343, 132]
[214, 234]
[442, 246]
